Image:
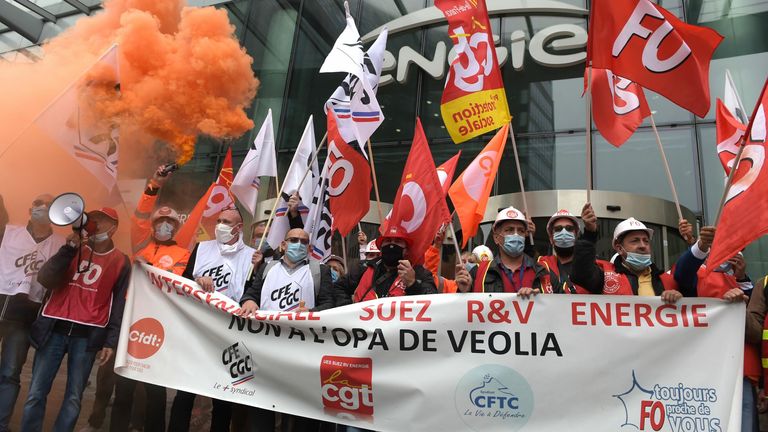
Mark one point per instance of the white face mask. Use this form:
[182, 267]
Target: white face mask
[101, 237]
[224, 233]
[163, 231]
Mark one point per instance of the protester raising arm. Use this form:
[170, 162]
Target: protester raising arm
[586, 273]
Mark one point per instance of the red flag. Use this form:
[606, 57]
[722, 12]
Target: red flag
[746, 198]
[470, 192]
[649, 45]
[729, 133]
[419, 207]
[446, 171]
[618, 106]
[349, 188]
[201, 222]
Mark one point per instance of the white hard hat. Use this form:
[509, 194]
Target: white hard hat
[483, 253]
[631, 224]
[166, 212]
[371, 247]
[562, 214]
[510, 213]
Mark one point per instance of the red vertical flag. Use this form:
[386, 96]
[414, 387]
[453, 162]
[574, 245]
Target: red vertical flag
[446, 171]
[420, 206]
[649, 45]
[618, 106]
[746, 199]
[349, 176]
[729, 133]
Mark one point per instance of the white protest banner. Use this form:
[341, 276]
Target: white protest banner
[481, 362]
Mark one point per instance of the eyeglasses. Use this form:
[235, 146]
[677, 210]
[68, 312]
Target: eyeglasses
[558, 228]
[297, 240]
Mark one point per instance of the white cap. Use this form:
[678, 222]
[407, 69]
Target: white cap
[631, 224]
[560, 215]
[510, 213]
[371, 247]
[483, 253]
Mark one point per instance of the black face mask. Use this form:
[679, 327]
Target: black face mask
[391, 254]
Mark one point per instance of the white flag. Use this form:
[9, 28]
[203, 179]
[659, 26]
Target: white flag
[320, 221]
[357, 110]
[296, 172]
[78, 128]
[260, 161]
[732, 100]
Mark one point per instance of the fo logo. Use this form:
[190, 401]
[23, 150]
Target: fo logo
[347, 384]
[237, 359]
[494, 397]
[145, 338]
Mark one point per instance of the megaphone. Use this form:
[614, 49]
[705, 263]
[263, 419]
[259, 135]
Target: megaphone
[68, 209]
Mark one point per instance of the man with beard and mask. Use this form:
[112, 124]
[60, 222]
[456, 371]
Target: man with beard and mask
[23, 250]
[512, 270]
[87, 271]
[220, 265]
[390, 276]
[633, 271]
[563, 229]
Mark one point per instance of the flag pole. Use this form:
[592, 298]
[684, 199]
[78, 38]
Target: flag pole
[375, 183]
[344, 250]
[520, 178]
[280, 191]
[666, 168]
[588, 127]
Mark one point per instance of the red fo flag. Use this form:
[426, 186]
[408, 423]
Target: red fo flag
[649, 45]
[446, 171]
[349, 176]
[746, 197]
[420, 206]
[618, 106]
[729, 133]
[201, 223]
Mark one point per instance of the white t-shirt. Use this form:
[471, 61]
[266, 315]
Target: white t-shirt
[21, 258]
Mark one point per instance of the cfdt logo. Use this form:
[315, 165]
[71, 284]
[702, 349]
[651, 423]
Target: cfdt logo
[494, 397]
[145, 338]
[678, 407]
[237, 359]
[347, 384]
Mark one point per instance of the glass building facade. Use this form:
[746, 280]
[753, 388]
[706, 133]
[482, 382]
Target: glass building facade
[542, 51]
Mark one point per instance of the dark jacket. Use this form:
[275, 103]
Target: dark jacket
[382, 281]
[55, 274]
[18, 308]
[590, 276]
[323, 298]
[494, 279]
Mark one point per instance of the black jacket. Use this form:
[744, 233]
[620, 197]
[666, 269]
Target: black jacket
[382, 281]
[323, 298]
[55, 274]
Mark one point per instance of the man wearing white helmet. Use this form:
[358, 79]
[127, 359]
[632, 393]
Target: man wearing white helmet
[632, 273]
[482, 253]
[512, 271]
[563, 230]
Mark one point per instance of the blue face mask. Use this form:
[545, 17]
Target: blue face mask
[296, 252]
[638, 261]
[334, 275]
[470, 266]
[514, 245]
[725, 267]
[564, 239]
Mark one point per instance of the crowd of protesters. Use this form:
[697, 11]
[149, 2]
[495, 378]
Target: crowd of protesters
[65, 296]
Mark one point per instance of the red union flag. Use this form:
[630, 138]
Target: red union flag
[349, 175]
[746, 197]
[473, 100]
[446, 171]
[649, 45]
[729, 133]
[618, 106]
[419, 207]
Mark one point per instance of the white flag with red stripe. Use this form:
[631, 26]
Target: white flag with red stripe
[259, 162]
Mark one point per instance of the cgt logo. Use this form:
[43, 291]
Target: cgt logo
[145, 338]
[347, 384]
[237, 359]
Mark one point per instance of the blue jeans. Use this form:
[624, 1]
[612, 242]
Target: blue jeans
[15, 344]
[47, 361]
[748, 408]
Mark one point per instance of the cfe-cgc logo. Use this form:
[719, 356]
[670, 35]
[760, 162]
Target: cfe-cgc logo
[677, 407]
[237, 359]
[347, 384]
[494, 397]
[145, 338]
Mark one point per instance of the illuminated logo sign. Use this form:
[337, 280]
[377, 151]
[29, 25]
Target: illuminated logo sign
[552, 46]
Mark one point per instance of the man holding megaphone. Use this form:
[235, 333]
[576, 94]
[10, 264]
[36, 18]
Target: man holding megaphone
[87, 279]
